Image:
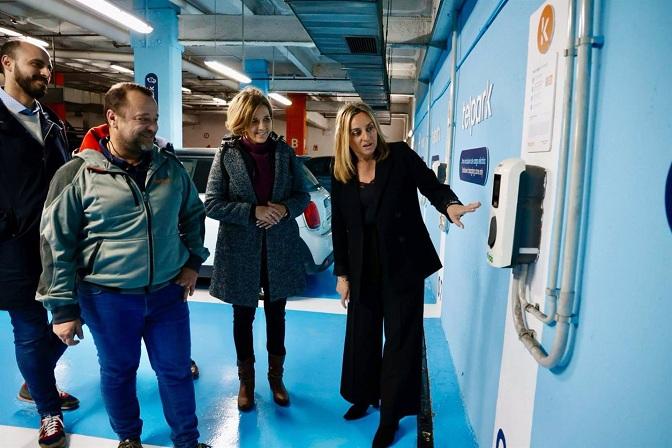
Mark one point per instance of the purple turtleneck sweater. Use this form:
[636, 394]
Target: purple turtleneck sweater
[263, 174]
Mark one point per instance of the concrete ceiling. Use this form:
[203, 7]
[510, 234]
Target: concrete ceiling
[83, 45]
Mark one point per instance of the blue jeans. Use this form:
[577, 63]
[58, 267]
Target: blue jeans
[37, 351]
[118, 323]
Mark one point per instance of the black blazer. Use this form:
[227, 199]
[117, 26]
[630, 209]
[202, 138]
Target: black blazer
[406, 250]
[26, 168]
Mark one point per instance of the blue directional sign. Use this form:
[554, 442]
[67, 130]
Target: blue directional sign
[152, 83]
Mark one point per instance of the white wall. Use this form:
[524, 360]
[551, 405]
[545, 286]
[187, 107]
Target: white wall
[207, 133]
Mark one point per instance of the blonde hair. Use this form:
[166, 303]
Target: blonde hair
[242, 107]
[344, 167]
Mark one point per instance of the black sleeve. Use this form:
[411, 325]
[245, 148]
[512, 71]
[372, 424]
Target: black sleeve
[439, 195]
[338, 230]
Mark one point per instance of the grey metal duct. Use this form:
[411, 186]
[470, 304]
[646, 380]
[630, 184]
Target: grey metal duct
[351, 32]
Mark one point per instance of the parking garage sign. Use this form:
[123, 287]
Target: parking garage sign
[152, 83]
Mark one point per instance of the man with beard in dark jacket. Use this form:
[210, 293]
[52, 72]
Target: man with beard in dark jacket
[32, 147]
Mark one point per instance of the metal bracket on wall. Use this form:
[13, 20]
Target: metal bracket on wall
[593, 41]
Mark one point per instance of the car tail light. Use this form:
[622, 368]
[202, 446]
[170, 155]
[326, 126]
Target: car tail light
[312, 216]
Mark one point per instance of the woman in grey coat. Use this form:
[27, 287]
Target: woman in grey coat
[255, 190]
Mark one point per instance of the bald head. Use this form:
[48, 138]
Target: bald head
[27, 68]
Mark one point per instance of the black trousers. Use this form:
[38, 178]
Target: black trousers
[391, 372]
[243, 317]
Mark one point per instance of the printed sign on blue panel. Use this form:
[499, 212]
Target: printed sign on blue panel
[152, 83]
[474, 165]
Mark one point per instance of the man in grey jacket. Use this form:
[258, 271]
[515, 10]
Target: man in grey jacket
[122, 242]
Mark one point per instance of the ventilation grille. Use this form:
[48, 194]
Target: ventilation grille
[361, 44]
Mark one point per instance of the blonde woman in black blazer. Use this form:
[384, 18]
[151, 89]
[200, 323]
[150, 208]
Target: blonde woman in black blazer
[382, 254]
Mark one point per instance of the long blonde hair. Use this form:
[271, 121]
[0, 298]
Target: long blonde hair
[242, 107]
[344, 167]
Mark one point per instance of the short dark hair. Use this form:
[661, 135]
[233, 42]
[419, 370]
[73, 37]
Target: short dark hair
[9, 49]
[115, 98]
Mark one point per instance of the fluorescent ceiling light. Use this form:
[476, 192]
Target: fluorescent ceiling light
[186, 90]
[218, 101]
[8, 32]
[32, 40]
[121, 69]
[125, 19]
[228, 71]
[280, 99]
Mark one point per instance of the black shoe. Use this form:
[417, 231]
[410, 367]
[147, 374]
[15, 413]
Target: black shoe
[130, 443]
[195, 373]
[384, 435]
[68, 402]
[356, 411]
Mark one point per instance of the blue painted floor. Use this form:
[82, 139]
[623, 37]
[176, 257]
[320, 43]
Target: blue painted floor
[322, 284]
[314, 419]
[451, 427]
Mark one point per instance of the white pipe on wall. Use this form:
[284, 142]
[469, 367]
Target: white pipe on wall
[451, 97]
[576, 186]
[574, 212]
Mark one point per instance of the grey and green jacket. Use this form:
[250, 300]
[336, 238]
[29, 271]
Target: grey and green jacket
[99, 226]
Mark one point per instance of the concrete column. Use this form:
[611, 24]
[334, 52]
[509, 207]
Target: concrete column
[158, 64]
[257, 69]
[296, 123]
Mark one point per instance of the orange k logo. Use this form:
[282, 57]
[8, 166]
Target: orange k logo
[545, 29]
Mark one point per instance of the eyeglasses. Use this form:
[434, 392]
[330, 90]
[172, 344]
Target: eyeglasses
[369, 129]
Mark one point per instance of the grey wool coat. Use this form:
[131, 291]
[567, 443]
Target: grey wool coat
[230, 199]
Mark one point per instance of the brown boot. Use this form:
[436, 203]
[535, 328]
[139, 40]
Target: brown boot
[246, 391]
[275, 371]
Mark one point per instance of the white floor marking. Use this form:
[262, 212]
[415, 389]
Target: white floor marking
[312, 304]
[16, 437]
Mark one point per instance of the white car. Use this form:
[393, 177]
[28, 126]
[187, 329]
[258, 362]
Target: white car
[314, 223]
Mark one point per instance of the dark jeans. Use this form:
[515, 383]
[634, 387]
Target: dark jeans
[243, 316]
[37, 351]
[118, 323]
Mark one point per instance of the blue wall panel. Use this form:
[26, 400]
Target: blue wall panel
[616, 390]
[475, 294]
[437, 149]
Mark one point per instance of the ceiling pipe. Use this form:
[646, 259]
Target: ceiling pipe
[84, 20]
[95, 55]
[127, 57]
[80, 18]
[248, 43]
[186, 7]
[207, 74]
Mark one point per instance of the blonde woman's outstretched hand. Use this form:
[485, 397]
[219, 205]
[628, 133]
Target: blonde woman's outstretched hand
[456, 211]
